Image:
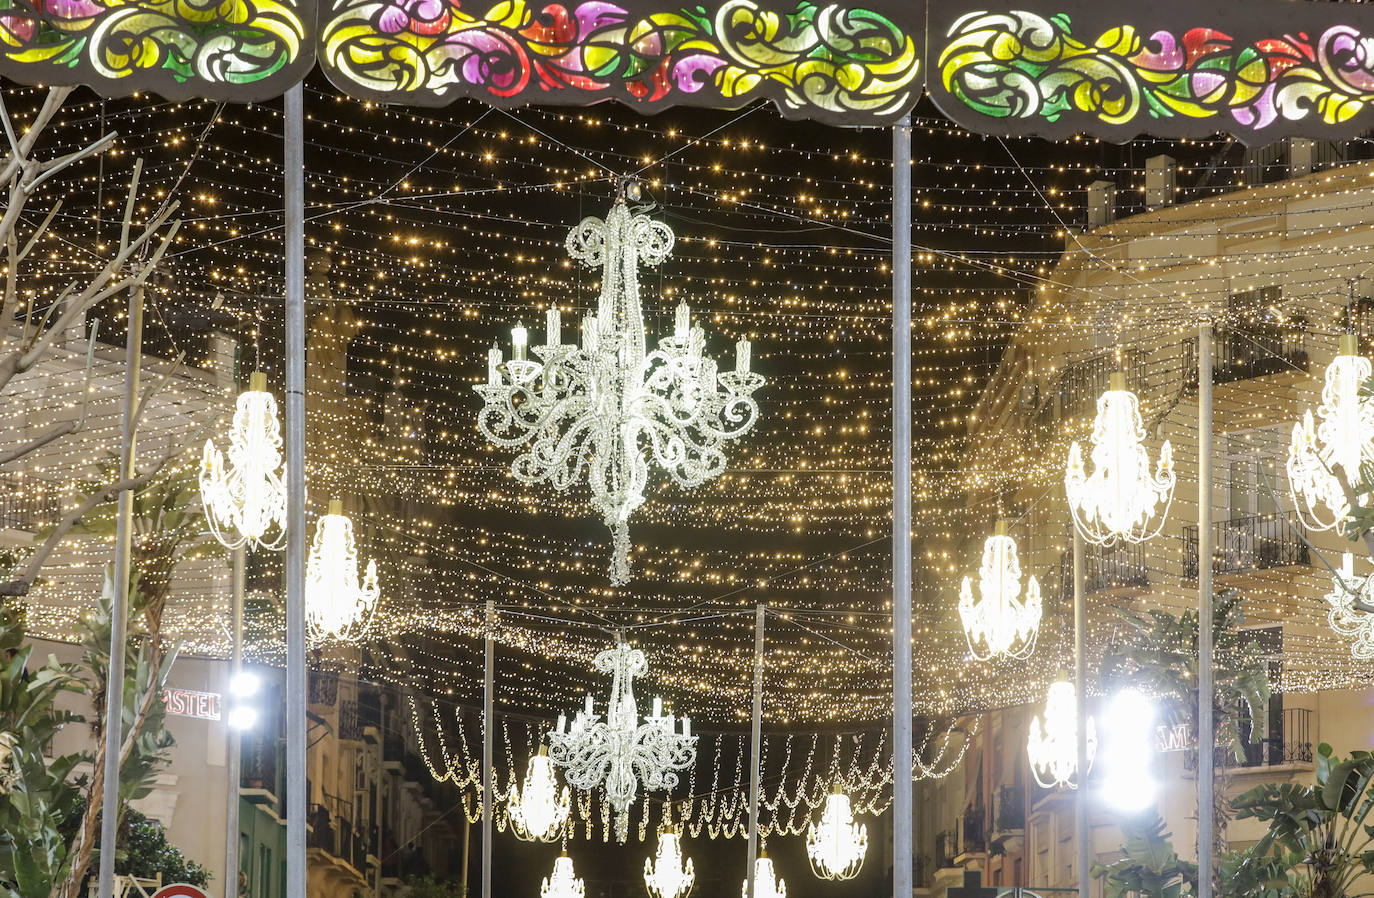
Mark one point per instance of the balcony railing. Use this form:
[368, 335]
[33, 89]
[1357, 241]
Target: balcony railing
[324, 688]
[1011, 809]
[1083, 381]
[258, 762]
[1116, 567]
[1253, 352]
[27, 504]
[350, 724]
[1251, 543]
[334, 834]
[1289, 743]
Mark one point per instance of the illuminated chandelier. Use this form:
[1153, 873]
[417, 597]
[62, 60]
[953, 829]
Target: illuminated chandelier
[603, 411]
[767, 884]
[563, 882]
[1343, 440]
[1345, 615]
[1117, 503]
[538, 812]
[247, 501]
[337, 605]
[1000, 623]
[668, 874]
[620, 752]
[837, 845]
[1053, 742]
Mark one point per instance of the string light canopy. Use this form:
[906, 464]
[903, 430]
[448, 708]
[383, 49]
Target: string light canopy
[1343, 615]
[1001, 623]
[669, 874]
[245, 503]
[836, 846]
[620, 752]
[337, 605]
[1324, 459]
[767, 884]
[1119, 500]
[539, 811]
[602, 411]
[563, 882]
[1053, 741]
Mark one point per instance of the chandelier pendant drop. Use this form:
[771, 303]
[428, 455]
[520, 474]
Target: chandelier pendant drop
[564, 881]
[1001, 623]
[337, 605]
[1118, 502]
[620, 753]
[538, 811]
[245, 503]
[603, 411]
[1344, 440]
[1343, 615]
[1053, 742]
[669, 874]
[767, 884]
[837, 845]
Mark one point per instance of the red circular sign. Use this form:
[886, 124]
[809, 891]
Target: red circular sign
[179, 890]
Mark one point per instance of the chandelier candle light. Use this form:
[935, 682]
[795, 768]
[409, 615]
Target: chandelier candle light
[1344, 615]
[1322, 454]
[337, 605]
[837, 845]
[538, 812]
[620, 752]
[1119, 500]
[1000, 623]
[564, 881]
[245, 503]
[1053, 741]
[767, 884]
[604, 410]
[668, 874]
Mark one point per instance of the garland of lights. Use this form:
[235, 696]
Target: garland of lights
[1326, 459]
[1001, 623]
[337, 605]
[245, 503]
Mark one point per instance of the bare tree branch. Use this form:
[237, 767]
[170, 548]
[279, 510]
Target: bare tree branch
[70, 427]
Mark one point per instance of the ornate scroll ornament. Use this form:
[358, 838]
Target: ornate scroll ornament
[1343, 615]
[337, 605]
[837, 844]
[245, 503]
[824, 62]
[1118, 502]
[539, 811]
[620, 753]
[669, 873]
[603, 411]
[1000, 623]
[1053, 742]
[1339, 447]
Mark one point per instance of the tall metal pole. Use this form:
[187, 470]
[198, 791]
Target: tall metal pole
[119, 616]
[1206, 736]
[755, 738]
[901, 509]
[231, 816]
[1082, 830]
[488, 788]
[293, 164]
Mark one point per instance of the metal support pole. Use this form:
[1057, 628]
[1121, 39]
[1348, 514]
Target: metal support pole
[1082, 829]
[1206, 735]
[231, 816]
[119, 616]
[488, 688]
[901, 509]
[755, 737]
[293, 164]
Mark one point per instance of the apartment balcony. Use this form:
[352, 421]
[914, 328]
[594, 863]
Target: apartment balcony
[350, 722]
[27, 504]
[1262, 351]
[1122, 569]
[1288, 745]
[332, 836]
[324, 689]
[1248, 544]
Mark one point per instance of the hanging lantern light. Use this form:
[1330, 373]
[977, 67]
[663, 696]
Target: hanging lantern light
[538, 812]
[1053, 742]
[669, 874]
[336, 605]
[1343, 440]
[563, 882]
[837, 845]
[245, 504]
[767, 884]
[1000, 623]
[1119, 501]
[1343, 615]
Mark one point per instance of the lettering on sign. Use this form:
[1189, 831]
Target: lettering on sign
[1178, 737]
[190, 703]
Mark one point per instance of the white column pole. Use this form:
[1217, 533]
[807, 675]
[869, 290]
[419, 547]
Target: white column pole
[1206, 736]
[1081, 826]
[756, 735]
[901, 509]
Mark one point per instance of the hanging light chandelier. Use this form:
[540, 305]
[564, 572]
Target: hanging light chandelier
[837, 845]
[1053, 742]
[620, 752]
[1344, 613]
[602, 412]
[1343, 442]
[563, 882]
[245, 503]
[1000, 623]
[538, 812]
[767, 884]
[1120, 499]
[337, 605]
[669, 874]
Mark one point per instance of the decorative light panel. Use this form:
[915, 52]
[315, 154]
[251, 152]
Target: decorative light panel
[539, 811]
[669, 874]
[1343, 615]
[1322, 454]
[1053, 741]
[837, 844]
[245, 504]
[1000, 623]
[337, 605]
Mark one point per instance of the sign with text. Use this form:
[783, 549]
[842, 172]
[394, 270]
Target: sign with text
[190, 703]
[1175, 737]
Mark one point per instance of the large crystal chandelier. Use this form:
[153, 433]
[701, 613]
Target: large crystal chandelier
[1119, 501]
[1349, 600]
[604, 410]
[563, 882]
[1053, 742]
[1343, 440]
[1000, 623]
[538, 812]
[620, 752]
[245, 504]
[837, 845]
[767, 884]
[337, 605]
[669, 874]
